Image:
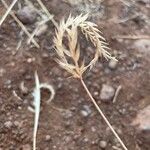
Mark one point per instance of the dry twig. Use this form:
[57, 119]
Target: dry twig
[117, 93]
[8, 11]
[16, 95]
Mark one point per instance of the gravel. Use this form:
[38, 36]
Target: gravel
[86, 111]
[112, 64]
[103, 144]
[107, 93]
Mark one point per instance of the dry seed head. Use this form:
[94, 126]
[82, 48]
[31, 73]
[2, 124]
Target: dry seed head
[69, 28]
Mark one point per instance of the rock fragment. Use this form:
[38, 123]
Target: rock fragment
[27, 15]
[107, 93]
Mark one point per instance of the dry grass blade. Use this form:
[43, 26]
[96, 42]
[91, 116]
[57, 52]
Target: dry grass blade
[37, 102]
[8, 11]
[20, 24]
[89, 29]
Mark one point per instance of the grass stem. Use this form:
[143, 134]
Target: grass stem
[102, 114]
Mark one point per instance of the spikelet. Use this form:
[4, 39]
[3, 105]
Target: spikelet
[69, 29]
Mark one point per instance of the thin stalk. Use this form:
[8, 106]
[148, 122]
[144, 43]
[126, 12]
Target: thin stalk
[103, 116]
[8, 11]
[48, 13]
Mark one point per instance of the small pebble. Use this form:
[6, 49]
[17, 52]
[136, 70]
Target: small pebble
[103, 144]
[107, 92]
[87, 108]
[48, 138]
[86, 111]
[142, 120]
[8, 124]
[54, 146]
[95, 93]
[30, 60]
[112, 64]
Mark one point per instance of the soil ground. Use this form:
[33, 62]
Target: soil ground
[62, 126]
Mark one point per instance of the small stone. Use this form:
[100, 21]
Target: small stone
[86, 111]
[95, 142]
[54, 146]
[143, 119]
[48, 138]
[26, 147]
[93, 129]
[95, 93]
[30, 60]
[112, 64]
[27, 15]
[103, 144]
[8, 124]
[122, 111]
[107, 92]
[87, 108]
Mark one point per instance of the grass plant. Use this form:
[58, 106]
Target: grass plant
[76, 67]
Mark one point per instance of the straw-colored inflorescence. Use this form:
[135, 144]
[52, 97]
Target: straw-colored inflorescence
[69, 29]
